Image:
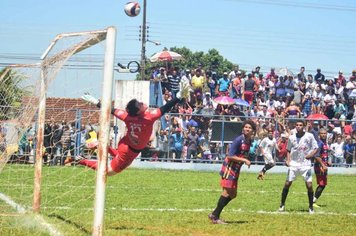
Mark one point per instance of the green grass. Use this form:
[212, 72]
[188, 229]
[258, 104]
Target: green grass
[161, 202]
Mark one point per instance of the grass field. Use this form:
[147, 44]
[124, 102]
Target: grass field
[161, 202]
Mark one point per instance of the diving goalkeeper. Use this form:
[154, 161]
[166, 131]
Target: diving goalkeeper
[139, 123]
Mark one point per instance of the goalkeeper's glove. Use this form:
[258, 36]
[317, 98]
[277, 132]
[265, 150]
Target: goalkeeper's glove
[183, 91]
[88, 98]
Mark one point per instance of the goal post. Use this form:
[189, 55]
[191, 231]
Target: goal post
[20, 110]
[105, 113]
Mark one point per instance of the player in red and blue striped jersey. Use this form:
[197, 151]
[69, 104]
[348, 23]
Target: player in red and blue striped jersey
[321, 163]
[230, 170]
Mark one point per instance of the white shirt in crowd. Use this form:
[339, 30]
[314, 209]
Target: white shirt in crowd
[337, 148]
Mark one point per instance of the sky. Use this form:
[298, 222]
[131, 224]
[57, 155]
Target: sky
[268, 33]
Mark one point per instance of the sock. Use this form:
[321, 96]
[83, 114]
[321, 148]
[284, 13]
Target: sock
[89, 163]
[223, 201]
[267, 167]
[284, 196]
[318, 191]
[310, 197]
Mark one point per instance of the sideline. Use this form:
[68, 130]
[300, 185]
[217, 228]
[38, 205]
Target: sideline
[216, 167]
[37, 218]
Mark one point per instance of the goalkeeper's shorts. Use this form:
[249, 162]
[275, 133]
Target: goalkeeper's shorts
[123, 158]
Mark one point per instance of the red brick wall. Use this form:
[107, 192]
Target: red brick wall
[64, 109]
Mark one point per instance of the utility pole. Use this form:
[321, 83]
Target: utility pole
[143, 41]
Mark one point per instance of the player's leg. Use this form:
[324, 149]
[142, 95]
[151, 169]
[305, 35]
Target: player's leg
[264, 170]
[307, 174]
[322, 182]
[291, 175]
[284, 195]
[229, 192]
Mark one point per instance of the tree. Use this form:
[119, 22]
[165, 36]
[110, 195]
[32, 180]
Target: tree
[11, 93]
[211, 60]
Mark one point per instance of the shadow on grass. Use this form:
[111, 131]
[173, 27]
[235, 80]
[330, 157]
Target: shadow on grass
[78, 226]
[124, 228]
[237, 222]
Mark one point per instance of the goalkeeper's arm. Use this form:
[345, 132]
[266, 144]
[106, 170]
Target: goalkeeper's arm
[112, 108]
[168, 106]
[88, 98]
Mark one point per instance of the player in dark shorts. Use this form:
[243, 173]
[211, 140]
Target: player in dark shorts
[230, 170]
[321, 163]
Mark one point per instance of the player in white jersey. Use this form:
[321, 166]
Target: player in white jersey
[301, 147]
[266, 148]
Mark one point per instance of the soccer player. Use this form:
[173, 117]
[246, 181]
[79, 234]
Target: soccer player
[139, 123]
[301, 147]
[230, 170]
[266, 147]
[321, 164]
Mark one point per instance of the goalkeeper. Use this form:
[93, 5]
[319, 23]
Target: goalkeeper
[139, 123]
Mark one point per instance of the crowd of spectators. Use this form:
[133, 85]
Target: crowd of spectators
[275, 100]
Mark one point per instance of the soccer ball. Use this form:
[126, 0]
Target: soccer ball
[132, 9]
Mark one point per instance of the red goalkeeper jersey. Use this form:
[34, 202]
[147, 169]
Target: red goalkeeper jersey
[139, 128]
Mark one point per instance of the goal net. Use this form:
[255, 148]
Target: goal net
[43, 123]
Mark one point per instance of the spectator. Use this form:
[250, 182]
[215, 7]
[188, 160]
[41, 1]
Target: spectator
[280, 103]
[319, 77]
[347, 128]
[301, 77]
[282, 146]
[271, 74]
[280, 88]
[349, 151]
[292, 111]
[337, 151]
[57, 143]
[318, 101]
[249, 89]
[331, 135]
[223, 85]
[198, 82]
[307, 103]
[163, 144]
[174, 81]
[237, 85]
[339, 90]
[192, 138]
[341, 79]
[289, 85]
[212, 81]
[177, 142]
[310, 84]
[162, 77]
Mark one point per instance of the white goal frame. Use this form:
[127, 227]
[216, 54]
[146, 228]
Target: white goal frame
[109, 34]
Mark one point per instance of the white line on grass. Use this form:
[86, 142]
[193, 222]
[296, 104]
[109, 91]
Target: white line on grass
[38, 219]
[209, 210]
[13, 204]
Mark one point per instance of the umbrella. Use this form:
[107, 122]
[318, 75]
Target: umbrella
[241, 102]
[165, 56]
[317, 117]
[284, 71]
[224, 100]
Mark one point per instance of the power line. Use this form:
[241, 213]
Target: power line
[300, 5]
